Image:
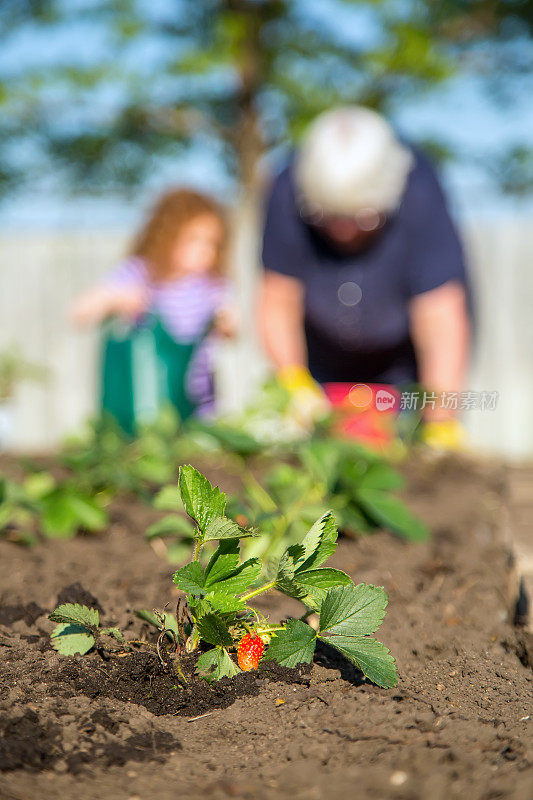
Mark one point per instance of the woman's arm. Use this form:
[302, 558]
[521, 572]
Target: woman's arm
[281, 311]
[281, 324]
[440, 329]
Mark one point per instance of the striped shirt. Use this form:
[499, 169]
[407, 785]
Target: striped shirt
[185, 306]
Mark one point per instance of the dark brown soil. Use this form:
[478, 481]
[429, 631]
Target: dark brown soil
[457, 726]
[140, 678]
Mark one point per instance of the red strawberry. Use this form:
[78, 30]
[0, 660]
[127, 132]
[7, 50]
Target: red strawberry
[250, 652]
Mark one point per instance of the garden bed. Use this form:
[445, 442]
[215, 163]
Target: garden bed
[457, 725]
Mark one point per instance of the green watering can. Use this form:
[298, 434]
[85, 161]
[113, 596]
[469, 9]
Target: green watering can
[143, 369]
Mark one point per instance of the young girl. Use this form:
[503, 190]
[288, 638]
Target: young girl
[175, 271]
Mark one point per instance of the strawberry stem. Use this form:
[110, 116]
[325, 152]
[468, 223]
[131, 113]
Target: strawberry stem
[270, 629]
[197, 548]
[261, 589]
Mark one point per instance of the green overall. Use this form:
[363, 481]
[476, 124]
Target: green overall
[143, 369]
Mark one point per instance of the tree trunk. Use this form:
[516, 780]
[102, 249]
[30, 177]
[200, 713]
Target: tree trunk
[244, 365]
[247, 366]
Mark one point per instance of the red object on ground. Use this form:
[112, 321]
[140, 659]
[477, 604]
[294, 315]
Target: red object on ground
[364, 411]
[250, 651]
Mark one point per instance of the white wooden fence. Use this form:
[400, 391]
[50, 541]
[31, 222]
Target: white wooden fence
[41, 272]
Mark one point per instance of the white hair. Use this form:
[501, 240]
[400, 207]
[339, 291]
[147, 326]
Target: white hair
[350, 160]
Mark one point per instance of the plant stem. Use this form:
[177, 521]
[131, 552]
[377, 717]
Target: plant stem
[270, 629]
[139, 641]
[261, 589]
[258, 492]
[197, 548]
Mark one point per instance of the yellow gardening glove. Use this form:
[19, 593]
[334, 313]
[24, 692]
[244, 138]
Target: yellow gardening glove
[446, 434]
[308, 403]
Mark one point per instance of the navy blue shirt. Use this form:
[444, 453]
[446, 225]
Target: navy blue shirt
[357, 306]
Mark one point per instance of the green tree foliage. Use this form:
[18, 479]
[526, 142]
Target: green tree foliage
[119, 85]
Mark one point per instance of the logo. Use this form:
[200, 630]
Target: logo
[385, 400]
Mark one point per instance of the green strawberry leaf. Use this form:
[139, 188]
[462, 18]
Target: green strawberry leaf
[291, 588]
[351, 517]
[64, 511]
[114, 632]
[317, 546]
[76, 614]
[322, 459]
[298, 574]
[232, 439]
[69, 639]
[213, 630]
[202, 502]
[191, 578]
[58, 521]
[199, 606]
[320, 542]
[390, 512]
[39, 484]
[353, 610]
[373, 658]
[168, 499]
[236, 583]
[324, 578]
[225, 603]
[88, 512]
[295, 644]
[381, 476]
[224, 528]
[317, 582]
[221, 565]
[170, 525]
[289, 561]
[216, 664]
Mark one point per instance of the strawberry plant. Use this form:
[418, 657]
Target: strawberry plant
[67, 508]
[17, 513]
[57, 508]
[343, 476]
[215, 617]
[105, 461]
[218, 596]
[360, 484]
[79, 629]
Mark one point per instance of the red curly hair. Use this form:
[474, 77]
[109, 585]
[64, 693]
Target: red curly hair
[172, 212]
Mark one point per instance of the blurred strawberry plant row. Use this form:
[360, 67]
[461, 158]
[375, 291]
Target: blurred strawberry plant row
[285, 485]
[56, 509]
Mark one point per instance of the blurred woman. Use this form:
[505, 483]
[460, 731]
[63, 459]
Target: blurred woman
[364, 274]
